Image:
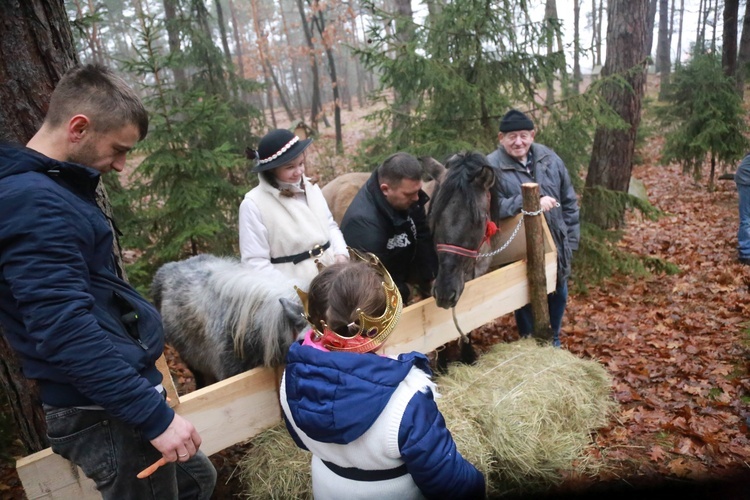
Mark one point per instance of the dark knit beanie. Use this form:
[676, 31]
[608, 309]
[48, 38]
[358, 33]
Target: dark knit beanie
[515, 120]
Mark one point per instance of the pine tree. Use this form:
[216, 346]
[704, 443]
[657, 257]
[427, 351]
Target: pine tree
[704, 117]
[461, 72]
[187, 190]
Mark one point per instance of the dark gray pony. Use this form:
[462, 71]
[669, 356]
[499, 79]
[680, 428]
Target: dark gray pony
[224, 318]
[459, 216]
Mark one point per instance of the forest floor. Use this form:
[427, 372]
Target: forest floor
[677, 346]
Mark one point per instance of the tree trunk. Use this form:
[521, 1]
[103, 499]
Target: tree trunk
[237, 41]
[663, 65]
[262, 46]
[650, 27]
[280, 90]
[700, 28]
[729, 44]
[743, 56]
[599, 33]
[238, 50]
[577, 77]
[171, 21]
[715, 8]
[612, 153]
[679, 36]
[594, 32]
[225, 46]
[295, 70]
[215, 69]
[671, 25]
[315, 108]
[354, 42]
[403, 104]
[550, 13]
[320, 22]
[36, 48]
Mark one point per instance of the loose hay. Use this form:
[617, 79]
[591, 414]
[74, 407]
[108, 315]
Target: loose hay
[522, 414]
[275, 468]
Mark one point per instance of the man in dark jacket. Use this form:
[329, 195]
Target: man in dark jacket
[518, 160]
[85, 335]
[387, 217]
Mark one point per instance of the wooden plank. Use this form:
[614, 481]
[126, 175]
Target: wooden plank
[233, 410]
[225, 413]
[173, 399]
[236, 409]
[49, 476]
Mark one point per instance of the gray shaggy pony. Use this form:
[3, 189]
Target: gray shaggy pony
[224, 318]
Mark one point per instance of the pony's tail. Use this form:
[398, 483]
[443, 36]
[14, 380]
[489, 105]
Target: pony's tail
[157, 287]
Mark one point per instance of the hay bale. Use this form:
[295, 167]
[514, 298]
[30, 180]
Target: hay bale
[522, 415]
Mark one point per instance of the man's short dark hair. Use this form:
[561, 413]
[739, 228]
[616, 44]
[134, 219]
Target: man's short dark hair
[97, 92]
[397, 167]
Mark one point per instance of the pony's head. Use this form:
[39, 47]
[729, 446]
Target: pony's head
[459, 214]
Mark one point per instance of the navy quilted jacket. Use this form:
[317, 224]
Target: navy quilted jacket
[84, 334]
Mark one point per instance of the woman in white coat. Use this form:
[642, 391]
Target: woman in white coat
[285, 223]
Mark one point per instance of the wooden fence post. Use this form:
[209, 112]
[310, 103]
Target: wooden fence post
[535, 262]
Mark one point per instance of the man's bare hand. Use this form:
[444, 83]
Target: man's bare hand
[179, 441]
[548, 203]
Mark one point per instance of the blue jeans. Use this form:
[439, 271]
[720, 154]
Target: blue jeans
[112, 453]
[743, 234]
[557, 301]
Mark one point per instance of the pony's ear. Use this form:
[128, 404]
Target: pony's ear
[293, 310]
[486, 177]
[433, 168]
[451, 160]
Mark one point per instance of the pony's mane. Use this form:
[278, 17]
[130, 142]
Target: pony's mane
[251, 301]
[462, 169]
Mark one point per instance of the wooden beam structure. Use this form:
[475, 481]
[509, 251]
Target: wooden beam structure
[238, 408]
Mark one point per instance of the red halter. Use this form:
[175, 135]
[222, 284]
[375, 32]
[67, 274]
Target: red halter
[489, 231]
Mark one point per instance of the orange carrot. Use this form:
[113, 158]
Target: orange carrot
[152, 468]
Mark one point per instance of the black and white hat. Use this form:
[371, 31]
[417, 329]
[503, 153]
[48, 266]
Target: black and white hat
[277, 148]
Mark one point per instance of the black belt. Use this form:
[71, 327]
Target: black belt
[356, 474]
[316, 251]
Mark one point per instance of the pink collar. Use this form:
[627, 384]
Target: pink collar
[309, 341]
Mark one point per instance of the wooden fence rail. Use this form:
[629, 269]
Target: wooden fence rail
[236, 409]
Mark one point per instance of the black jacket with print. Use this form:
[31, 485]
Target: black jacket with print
[400, 239]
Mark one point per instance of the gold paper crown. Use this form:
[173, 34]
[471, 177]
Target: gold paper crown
[372, 331]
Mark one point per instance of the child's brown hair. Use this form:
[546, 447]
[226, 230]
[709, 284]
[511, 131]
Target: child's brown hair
[339, 291]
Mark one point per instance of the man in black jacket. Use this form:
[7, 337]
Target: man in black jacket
[387, 217]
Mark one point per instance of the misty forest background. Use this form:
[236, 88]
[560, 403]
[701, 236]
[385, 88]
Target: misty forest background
[437, 76]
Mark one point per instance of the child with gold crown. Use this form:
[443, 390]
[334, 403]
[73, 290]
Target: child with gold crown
[370, 421]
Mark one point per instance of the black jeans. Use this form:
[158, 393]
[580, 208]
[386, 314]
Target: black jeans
[112, 453]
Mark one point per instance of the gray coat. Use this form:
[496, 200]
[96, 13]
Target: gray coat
[554, 181]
